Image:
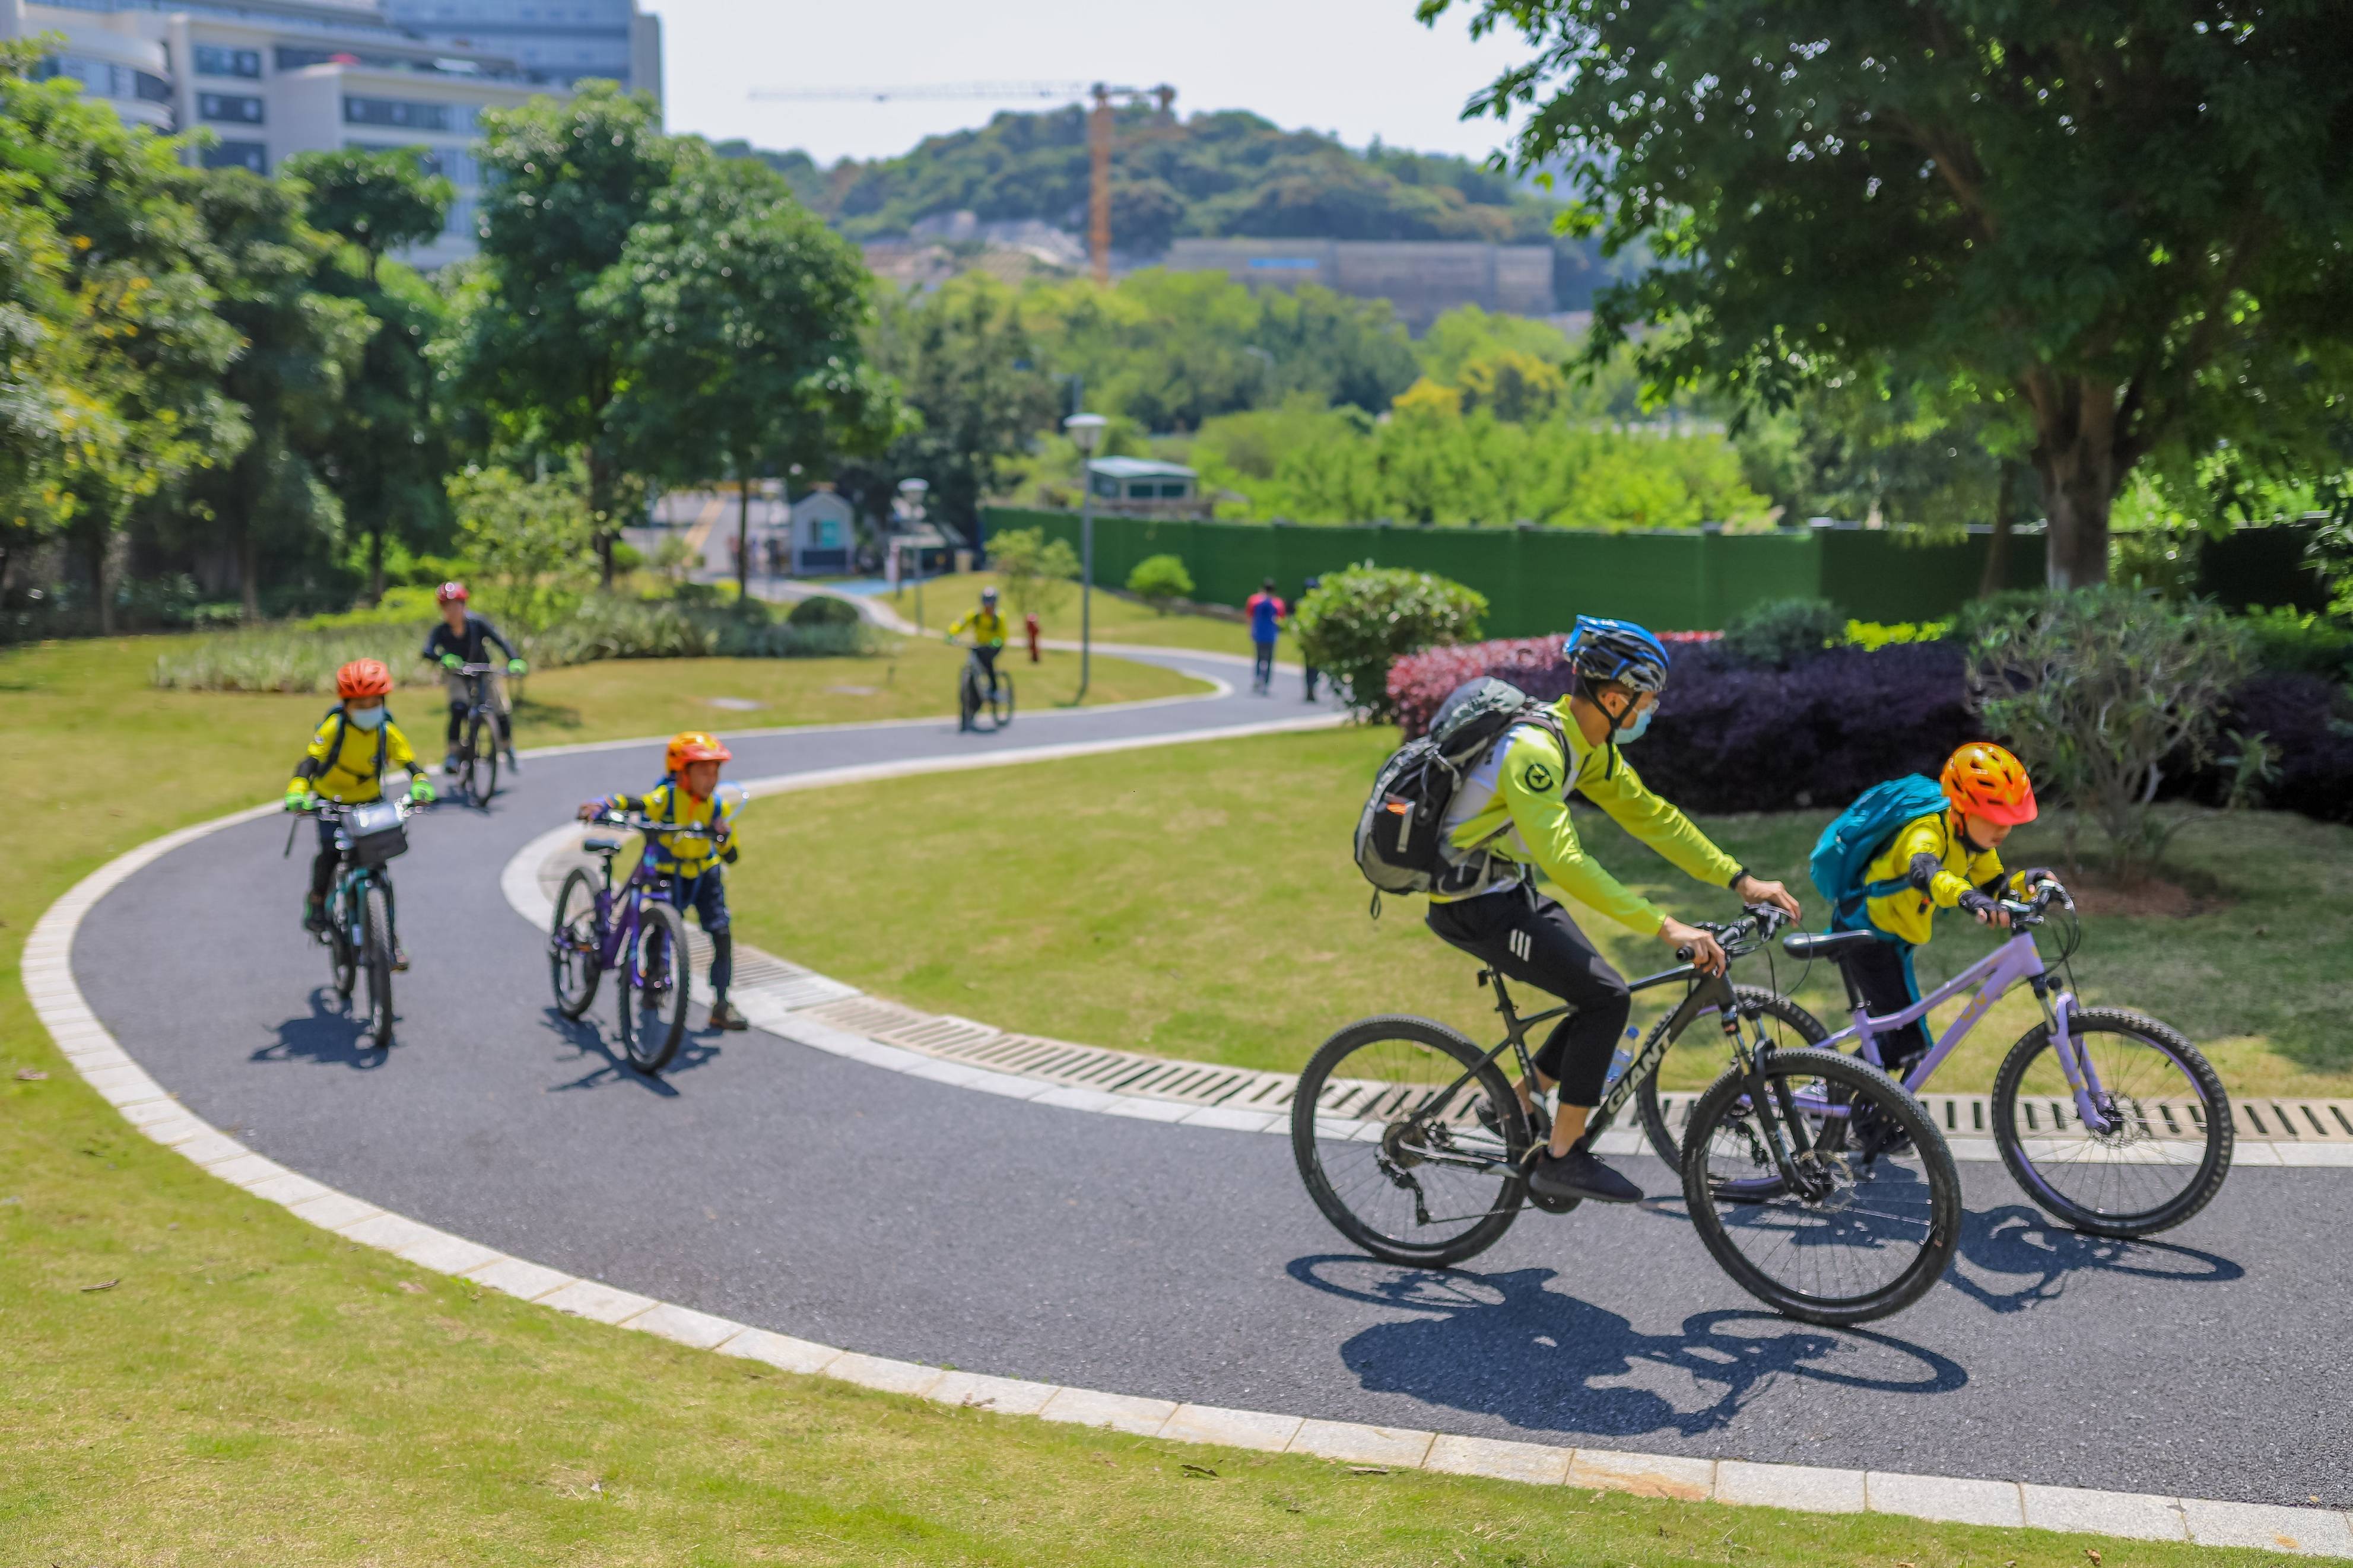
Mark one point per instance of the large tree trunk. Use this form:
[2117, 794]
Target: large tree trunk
[742, 530]
[249, 572]
[375, 565]
[2005, 523]
[101, 541]
[2075, 454]
[600, 507]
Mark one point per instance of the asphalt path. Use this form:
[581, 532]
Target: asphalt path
[801, 1192]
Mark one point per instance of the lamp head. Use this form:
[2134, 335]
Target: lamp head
[1085, 430]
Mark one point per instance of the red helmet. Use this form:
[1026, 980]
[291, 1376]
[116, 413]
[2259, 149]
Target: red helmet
[450, 594]
[1985, 779]
[363, 678]
[693, 746]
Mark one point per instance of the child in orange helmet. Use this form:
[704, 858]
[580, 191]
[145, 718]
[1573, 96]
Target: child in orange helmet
[1947, 859]
[689, 796]
[345, 761]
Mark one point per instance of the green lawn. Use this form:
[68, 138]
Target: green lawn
[1116, 620]
[1201, 902]
[189, 1375]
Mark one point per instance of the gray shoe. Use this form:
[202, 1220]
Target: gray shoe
[1579, 1174]
[514, 764]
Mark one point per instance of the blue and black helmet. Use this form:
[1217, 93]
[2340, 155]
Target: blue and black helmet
[1616, 650]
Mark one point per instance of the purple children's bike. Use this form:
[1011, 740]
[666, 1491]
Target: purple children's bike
[635, 931]
[2110, 1120]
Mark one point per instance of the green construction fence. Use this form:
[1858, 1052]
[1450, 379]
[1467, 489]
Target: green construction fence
[1537, 580]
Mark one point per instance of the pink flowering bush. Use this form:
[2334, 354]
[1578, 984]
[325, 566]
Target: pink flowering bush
[1419, 682]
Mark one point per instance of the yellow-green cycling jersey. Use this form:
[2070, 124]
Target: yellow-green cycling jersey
[1907, 913]
[1511, 815]
[689, 853]
[988, 627]
[351, 775]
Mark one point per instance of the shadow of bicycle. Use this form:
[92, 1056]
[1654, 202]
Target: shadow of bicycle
[332, 1035]
[2018, 1241]
[609, 1069]
[1506, 1344]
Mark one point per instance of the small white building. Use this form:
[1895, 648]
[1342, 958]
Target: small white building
[825, 535]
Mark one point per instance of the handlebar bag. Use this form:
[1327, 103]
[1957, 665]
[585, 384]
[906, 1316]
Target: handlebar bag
[374, 832]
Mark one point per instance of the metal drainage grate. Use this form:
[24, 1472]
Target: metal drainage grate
[2261, 1119]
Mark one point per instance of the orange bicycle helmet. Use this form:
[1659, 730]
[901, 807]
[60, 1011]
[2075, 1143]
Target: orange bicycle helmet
[363, 678]
[1984, 778]
[693, 746]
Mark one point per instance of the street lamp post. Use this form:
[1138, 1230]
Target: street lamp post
[911, 499]
[1085, 430]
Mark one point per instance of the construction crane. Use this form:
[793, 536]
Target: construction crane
[1099, 128]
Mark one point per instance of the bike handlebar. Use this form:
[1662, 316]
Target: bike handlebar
[336, 810]
[2033, 911]
[649, 825]
[1741, 937]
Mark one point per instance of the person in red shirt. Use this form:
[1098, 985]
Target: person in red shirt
[1266, 613]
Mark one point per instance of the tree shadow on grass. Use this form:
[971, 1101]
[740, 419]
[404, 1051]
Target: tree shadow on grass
[1505, 1344]
[609, 1068]
[330, 1035]
[2016, 1242]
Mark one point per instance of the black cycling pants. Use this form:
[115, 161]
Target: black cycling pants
[1883, 974]
[1532, 940]
[987, 657]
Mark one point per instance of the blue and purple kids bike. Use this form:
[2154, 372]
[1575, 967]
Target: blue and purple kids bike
[635, 932]
[2110, 1120]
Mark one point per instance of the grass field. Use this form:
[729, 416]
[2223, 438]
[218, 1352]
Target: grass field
[189, 1375]
[1201, 902]
[1116, 620]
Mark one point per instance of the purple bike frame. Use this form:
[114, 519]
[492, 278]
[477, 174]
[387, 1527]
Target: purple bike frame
[2014, 960]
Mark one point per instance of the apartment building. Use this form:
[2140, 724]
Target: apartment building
[556, 41]
[271, 77]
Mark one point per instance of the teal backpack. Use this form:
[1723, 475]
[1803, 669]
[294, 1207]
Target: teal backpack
[1856, 834]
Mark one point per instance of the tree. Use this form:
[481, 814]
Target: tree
[379, 201]
[565, 183]
[1160, 580]
[2127, 215]
[743, 317]
[37, 408]
[525, 541]
[1037, 571]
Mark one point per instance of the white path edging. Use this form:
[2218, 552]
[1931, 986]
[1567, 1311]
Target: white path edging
[58, 1002]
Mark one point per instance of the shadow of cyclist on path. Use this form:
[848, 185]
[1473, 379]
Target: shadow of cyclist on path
[330, 1036]
[1503, 1344]
[609, 1068]
[2016, 1242]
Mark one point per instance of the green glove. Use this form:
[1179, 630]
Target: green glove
[514, 666]
[949, 638]
[296, 800]
[420, 789]
[450, 661]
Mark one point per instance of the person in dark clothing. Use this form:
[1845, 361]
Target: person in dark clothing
[1314, 674]
[461, 638]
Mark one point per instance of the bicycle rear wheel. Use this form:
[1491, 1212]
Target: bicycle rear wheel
[574, 944]
[1001, 707]
[2164, 1152]
[1872, 1220]
[654, 988]
[1782, 1021]
[481, 759]
[375, 962]
[1408, 1177]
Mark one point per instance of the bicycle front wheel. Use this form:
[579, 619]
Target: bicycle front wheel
[574, 945]
[2165, 1145]
[1664, 1112]
[342, 953]
[1001, 707]
[481, 761]
[1867, 1217]
[376, 962]
[654, 988]
[1409, 1140]
[967, 698]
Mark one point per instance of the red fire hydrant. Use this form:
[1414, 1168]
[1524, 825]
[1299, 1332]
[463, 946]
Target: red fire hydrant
[1029, 624]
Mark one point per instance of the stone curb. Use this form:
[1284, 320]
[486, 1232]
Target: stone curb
[63, 1010]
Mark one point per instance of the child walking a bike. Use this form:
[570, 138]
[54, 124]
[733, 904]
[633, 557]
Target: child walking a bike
[694, 861]
[344, 762]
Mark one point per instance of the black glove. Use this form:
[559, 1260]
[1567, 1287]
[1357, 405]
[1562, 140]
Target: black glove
[1978, 904]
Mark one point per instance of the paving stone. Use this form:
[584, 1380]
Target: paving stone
[445, 1254]
[1143, 1110]
[291, 1189]
[1006, 1395]
[513, 1276]
[1644, 1475]
[598, 1302]
[877, 1372]
[1808, 1488]
[148, 1113]
[213, 1149]
[249, 1171]
[1120, 1412]
[174, 1131]
[389, 1231]
[1070, 1098]
[1491, 1456]
[780, 1351]
[2134, 1515]
[700, 1331]
[1232, 1428]
[334, 1211]
[1952, 1498]
[124, 1085]
[2308, 1531]
[1402, 1446]
[1234, 1121]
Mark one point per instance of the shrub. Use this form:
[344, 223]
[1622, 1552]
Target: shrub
[1780, 632]
[2288, 642]
[1037, 571]
[2307, 724]
[605, 626]
[2099, 689]
[281, 659]
[1160, 580]
[527, 540]
[1419, 684]
[823, 610]
[1362, 620]
[1879, 634]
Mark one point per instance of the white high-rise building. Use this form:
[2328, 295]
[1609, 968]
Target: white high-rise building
[272, 78]
[555, 40]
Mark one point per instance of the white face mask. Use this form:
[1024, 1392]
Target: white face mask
[366, 717]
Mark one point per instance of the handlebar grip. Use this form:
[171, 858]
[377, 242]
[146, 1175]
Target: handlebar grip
[1683, 955]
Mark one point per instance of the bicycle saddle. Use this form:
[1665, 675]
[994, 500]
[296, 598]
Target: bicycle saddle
[600, 846]
[1832, 946]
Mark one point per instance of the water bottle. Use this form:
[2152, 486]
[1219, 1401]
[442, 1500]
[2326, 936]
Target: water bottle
[1620, 1059]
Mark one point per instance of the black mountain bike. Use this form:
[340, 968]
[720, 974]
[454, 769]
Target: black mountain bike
[1814, 1180]
[477, 736]
[976, 696]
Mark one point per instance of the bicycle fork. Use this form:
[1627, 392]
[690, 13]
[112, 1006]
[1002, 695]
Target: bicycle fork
[2075, 1058]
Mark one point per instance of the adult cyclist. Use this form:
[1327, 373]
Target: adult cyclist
[463, 639]
[1509, 825]
[988, 638]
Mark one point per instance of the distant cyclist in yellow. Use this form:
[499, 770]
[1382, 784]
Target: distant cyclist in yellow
[988, 638]
[689, 796]
[1509, 825]
[344, 762]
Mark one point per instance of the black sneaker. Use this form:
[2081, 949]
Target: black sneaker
[314, 915]
[724, 1017]
[1579, 1174]
[399, 959]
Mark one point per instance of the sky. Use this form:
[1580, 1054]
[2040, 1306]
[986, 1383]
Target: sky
[1359, 67]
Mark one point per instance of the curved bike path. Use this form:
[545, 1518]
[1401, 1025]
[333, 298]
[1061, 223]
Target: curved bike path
[806, 1193]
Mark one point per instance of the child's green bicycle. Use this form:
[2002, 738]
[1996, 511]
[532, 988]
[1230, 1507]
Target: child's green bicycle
[358, 934]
